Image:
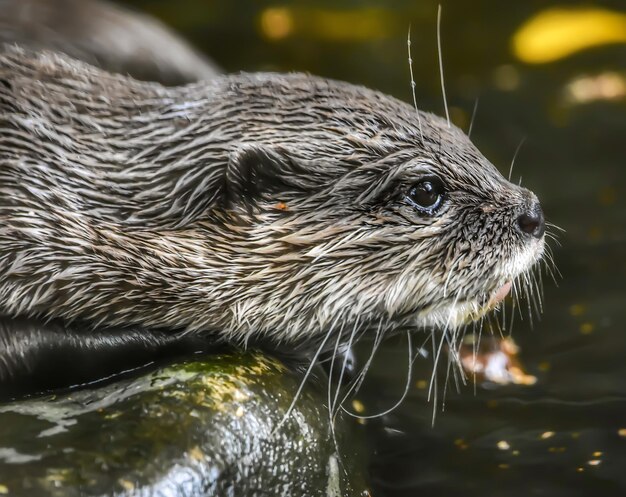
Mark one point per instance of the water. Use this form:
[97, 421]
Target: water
[566, 434]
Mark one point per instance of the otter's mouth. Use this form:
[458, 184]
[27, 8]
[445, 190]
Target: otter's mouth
[499, 295]
[494, 300]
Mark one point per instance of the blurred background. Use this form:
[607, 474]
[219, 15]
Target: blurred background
[553, 76]
[546, 79]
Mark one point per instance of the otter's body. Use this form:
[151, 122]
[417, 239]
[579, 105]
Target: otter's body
[106, 35]
[264, 207]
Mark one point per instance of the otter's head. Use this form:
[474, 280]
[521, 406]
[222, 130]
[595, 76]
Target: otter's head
[276, 206]
[357, 210]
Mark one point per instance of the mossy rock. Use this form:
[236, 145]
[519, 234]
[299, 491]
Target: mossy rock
[210, 427]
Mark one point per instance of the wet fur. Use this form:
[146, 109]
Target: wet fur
[259, 207]
[41, 356]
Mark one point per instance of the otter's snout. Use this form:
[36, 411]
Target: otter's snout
[531, 221]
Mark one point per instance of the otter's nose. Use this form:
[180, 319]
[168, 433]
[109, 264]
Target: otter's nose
[531, 221]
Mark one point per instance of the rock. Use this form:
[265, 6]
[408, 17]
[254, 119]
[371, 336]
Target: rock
[209, 427]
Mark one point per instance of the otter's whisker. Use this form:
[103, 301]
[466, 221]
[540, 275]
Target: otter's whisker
[503, 313]
[344, 364]
[443, 86]
[433, 389]
[471, 124]
[407, 386]
[481, 328]
[552, 225]
[535, 293]
[528, 298]
[519, 147]
[304, 379]
[331, 371]
[356, 383]
[419, 120]
[460, 372]
[552, 237]
[330, 408]
[433, 379]
[450, 340]
[517, 292]
[361, 377]
[550, 265]
[331, 424]
[475, 340]
[445, 384]
[514, 306]
[538, 289]
[494, 324]
[453, 360]
[460, 378]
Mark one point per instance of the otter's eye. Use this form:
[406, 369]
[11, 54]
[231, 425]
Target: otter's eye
[427, 194]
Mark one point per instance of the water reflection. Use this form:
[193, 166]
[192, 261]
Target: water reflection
[364, 24]
[607, 85]
[556, 33]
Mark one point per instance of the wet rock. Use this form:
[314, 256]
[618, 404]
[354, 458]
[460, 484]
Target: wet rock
[210, 427]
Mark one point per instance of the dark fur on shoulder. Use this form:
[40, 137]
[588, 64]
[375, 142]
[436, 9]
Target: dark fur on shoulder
[37, 356]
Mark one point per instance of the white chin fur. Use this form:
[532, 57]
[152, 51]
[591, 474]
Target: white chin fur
[448, 317]
[454, 315]
[523, 262]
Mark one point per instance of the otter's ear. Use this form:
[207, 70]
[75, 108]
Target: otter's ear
[256, 172]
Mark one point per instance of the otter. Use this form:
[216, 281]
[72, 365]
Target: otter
[285, 209]
[106, 35]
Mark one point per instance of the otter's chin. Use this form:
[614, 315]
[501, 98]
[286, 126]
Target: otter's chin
[452, 316]
[455, 315]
